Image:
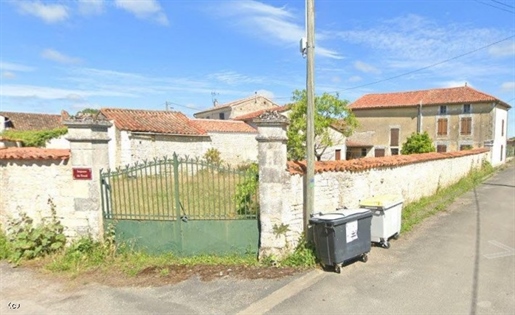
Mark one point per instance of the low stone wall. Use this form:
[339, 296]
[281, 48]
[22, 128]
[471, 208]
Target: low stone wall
[343, 184]
[26, 186]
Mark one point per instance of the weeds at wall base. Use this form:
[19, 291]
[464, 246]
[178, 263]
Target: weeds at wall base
[415, 212]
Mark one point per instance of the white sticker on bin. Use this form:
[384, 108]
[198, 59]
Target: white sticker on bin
[351, 229]
[331, 216]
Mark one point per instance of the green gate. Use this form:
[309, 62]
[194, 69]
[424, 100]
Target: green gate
[182, 205]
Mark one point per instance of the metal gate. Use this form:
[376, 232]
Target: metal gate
[182, 205]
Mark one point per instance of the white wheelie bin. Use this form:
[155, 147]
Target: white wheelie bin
[386, 219]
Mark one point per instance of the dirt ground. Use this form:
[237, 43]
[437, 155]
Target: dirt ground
[172, 274]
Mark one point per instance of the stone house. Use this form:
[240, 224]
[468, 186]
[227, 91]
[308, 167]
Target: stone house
[236, 108]
[455, 118]
[138, 135]
[32, 122]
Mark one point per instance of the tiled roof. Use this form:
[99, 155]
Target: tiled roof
[34, 154]
[299, 167]
[256, 114]
[257, 98]
[32, 121]
[215, 125]
[167, 122]
[457, 95]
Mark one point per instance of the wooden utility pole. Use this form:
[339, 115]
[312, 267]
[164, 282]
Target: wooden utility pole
[309, 182]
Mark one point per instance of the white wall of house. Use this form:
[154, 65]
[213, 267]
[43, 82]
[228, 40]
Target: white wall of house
[235, 148]
[150, 146]
[500, 116]
[58, 143]
[338, 140]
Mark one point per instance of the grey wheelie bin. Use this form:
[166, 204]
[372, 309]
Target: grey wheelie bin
[342, 236]
[386, 219]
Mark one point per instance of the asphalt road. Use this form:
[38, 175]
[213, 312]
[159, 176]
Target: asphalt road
[458, 262]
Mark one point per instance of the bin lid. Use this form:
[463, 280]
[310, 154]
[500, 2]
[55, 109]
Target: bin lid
[340, 215]
[382, 201]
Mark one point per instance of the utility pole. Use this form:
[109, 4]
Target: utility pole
[309, 182]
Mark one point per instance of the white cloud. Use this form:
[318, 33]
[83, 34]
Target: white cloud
[503, 49]
[268, 94]
[355, 78]
[234, 78]
[56, 56]
[366, 68]
[50, 13]
[91, 7]
[414, 41]
[45, 92]
[275, 24]
[7, 66]
[8, 75]
[508, 86]
[144, 9]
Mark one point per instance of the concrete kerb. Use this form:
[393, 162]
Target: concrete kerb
[284, 293]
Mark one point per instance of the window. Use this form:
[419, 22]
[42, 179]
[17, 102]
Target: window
[221, 116]
[379, 152]
[394, 137]
[394, 151]
[466, 108]
[464, 147]
[337, 155]
[502, 151]
[363, 152]
[443, 110]
[502, 128]
[466, 126]
[441, 148]
[442, 127]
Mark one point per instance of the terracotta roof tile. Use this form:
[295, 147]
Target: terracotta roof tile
[259, 98]
[215, 125]
[30, 153]
[32, 121]
[167, 122]
[457, 95]
[256, 114]
[299, 167]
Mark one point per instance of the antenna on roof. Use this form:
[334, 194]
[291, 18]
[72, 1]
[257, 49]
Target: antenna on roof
[213, 98]
[167, 106]
[465, 83]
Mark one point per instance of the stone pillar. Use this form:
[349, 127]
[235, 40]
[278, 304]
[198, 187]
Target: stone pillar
[272, 178]
[89, 153]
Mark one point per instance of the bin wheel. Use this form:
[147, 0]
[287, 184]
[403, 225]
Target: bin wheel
[364, 258]
[386, 245]
[396, 236]
[337, 268]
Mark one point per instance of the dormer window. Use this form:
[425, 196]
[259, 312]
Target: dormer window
[466, 108]
[443, 110]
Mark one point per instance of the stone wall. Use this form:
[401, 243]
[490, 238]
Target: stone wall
[235, 148]
[347, 187]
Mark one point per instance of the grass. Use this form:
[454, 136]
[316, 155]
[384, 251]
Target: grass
[415, 212]
[149, 192]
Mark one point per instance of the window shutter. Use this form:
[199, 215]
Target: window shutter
[394, 137]
[442, 127]
[379, 152]
[441, 148]
[466, 126]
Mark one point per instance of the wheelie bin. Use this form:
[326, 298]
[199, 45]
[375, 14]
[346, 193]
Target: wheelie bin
[342, 236]
[386, 219]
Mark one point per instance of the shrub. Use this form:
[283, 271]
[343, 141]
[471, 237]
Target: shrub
[34, 138]
[213, 156]
[28, 241]
[418, 143]
[246, 192]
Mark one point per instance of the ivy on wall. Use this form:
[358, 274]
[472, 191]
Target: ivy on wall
[33, 138]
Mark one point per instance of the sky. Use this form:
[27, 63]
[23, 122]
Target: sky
[153, 54]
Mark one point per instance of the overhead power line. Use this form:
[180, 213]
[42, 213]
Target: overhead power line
[497, 7]
[505, 4]
[431, 65]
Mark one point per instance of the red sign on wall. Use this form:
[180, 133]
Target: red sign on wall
[82, 173]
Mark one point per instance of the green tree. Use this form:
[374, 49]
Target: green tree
[330, 111]
[89, 111]
[418, 143]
